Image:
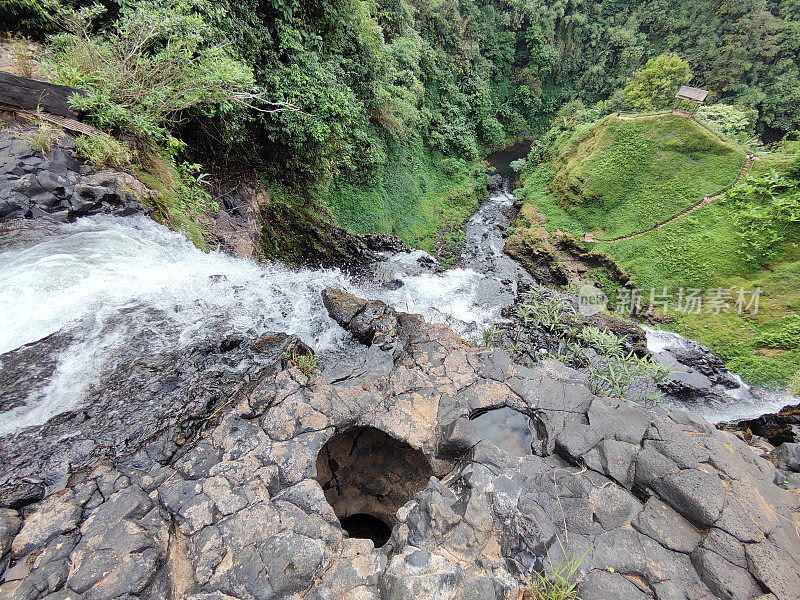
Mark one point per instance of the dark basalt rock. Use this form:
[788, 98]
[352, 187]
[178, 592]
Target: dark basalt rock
[660, 506]
[704, 361]
[777, 428]
[57, 187]
[495, 184]
[372, 322]
[788, 456]
[304, 234]
[155, 403]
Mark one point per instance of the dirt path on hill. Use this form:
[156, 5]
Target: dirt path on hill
[592, 237]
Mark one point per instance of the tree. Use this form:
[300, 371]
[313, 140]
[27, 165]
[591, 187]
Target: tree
[151, 68]
[654, 86]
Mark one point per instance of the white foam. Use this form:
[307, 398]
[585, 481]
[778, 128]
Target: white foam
[99, 268]
[746, 402]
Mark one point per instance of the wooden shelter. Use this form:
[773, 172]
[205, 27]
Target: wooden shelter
[695, 95]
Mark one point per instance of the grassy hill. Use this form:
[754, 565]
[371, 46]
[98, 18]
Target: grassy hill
[621, 176]
[701, 250]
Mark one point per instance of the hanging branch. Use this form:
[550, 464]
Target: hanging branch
[245, 98]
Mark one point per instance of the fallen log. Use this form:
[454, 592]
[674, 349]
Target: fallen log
[33, 95]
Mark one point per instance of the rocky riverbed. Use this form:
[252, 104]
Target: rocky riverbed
[161, 442]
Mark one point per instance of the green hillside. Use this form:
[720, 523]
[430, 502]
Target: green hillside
[622, 176]
[706, 249]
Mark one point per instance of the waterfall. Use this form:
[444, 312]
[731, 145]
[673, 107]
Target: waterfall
[107, 281]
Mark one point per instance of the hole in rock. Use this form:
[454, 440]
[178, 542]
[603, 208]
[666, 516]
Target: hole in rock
[367, 527]
[367, 475]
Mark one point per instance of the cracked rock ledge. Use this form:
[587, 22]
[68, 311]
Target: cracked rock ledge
[249, 506]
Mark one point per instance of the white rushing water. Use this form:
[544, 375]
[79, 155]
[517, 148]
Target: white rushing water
[113, 282]
[104, 269]
[746, 402]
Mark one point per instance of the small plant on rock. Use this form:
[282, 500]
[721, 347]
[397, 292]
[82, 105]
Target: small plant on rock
[546, 310]
[307, 363]
[191, 190]
[616, 376]
[491, 337]
[612, 372]
[43, 137]
[602, 340]
[558, 584]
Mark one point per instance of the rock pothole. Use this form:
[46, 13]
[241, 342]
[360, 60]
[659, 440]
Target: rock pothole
[509, 429]
[367, 475]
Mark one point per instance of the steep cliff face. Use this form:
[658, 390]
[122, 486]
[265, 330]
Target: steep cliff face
[660, 505]
[305, 234]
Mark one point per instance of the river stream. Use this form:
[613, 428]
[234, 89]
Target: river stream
[92, 278]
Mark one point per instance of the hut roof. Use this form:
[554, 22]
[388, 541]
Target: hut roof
[692, 93]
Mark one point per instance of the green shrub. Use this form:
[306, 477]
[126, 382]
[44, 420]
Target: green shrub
[155, 63]
[767, 215]
[793, 170]
[518, 165]
[733, 121]
[31, 16]
[452, 166]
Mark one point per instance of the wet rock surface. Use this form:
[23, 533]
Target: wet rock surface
[306, 235]
[370, 321]
[777, 428]
[57, 185]
[661, 506]
[161, 399]
[484, 247]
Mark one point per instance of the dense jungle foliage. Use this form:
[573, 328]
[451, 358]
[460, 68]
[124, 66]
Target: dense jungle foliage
[371, 76]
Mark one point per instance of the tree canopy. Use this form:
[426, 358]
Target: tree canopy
[655, 85]
[369, 76]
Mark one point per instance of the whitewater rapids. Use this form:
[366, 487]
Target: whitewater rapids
[101, 268]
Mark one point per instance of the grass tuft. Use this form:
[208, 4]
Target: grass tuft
[43, 137]
[559, 583]
[306, 362]
[103, 151]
